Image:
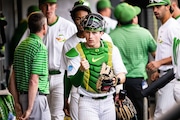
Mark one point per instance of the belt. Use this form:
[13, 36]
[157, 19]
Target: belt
[95, 98]
[25, 92]
[162, 71]
[54, 72]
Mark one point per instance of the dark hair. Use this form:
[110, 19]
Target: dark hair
[80, 5]
[36, 20]
[84, 8]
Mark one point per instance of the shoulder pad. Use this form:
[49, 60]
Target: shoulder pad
[72, 53]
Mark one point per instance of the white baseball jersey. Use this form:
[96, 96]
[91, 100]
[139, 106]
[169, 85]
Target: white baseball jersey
[178, 19]
[166, 33]
[25, 35]
[176, 46]
[57, 34]
[110, 24]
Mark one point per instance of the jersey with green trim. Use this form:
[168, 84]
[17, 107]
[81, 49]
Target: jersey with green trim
[31, 58]
[95, 57]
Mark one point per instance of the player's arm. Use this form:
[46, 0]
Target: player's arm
[12, 87]
[33, 88]
[154, 65]
[13, 90]
[77, 79]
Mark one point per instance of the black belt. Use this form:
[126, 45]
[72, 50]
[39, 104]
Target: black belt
[54, 72]
[25, 92]
[95, 98]
[162, 71]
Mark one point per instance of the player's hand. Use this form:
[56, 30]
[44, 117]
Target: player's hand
[153, 66]
[66, 107]
[84, 65]
[117, 100]
[155, 76]
[18, 110]
[26, 115]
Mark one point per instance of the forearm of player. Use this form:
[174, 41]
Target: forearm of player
[12, 88]
[165, 61]
[33, 89]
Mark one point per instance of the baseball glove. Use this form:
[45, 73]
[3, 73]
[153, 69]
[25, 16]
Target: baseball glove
[125, 110]
[105, 81]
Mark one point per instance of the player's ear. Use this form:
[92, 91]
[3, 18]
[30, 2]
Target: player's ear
[101, 32]
[171, 9]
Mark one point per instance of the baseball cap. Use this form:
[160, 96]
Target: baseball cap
[47, 1]
[101, 4]
[81, 5]
[158, 2]
[93, 22]
[125, 12]
[32, 8]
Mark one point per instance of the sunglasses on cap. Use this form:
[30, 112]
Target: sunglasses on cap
[157, 1]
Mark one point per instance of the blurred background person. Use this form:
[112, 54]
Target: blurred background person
[21, 32]
[104, 8]
[59, 30]
[134, 44]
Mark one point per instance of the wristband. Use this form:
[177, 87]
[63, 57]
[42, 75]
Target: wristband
[118, 81]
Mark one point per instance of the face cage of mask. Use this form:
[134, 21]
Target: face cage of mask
[93, 22]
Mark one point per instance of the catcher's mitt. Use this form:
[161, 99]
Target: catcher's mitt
[105, 81]
[126, 110]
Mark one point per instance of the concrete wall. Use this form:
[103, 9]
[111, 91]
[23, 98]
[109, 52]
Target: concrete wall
[64, 6]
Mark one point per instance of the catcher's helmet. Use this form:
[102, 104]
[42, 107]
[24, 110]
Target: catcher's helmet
[93, 22]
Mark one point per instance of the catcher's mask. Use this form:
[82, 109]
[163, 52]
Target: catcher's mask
[93, 22]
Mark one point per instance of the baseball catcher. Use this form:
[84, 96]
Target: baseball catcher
[125, 110]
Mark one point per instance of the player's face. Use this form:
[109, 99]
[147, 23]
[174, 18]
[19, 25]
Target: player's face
[80, 15]
[92, 38]
[48, 9]
[160, 11]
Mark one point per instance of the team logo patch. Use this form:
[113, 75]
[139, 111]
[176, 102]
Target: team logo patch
[61, 38]
[159, 41]
[70, 67]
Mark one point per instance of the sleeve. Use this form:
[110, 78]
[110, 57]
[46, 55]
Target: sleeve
[152, 43]
[77, 79]
[118, 65]
[73, 62]
[178, 63]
